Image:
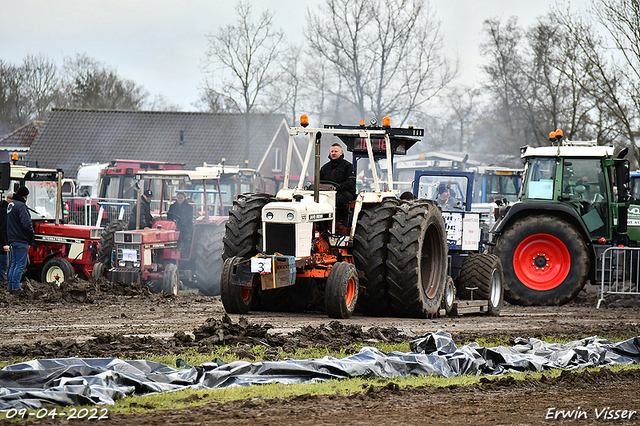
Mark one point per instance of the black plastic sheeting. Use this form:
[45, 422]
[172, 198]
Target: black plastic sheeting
[101, 381]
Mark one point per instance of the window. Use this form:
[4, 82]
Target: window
[277, 160]
[541, 175]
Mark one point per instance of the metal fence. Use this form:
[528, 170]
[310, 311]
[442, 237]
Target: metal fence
[86, 211]
[620, 273]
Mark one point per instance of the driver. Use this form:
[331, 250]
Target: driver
[341, 173]
[444, 198]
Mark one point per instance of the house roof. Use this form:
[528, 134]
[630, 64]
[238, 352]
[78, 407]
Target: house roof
[70, 137]
[22, 138]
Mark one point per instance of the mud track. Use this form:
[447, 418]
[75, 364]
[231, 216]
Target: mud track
[99, 319]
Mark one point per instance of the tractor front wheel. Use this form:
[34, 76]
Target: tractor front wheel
[236, 298]
[545, 261]
[98, 270]
[341, 290]
[56, 270]
[170, 280]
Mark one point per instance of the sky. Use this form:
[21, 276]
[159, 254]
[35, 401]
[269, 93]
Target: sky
[160, 44]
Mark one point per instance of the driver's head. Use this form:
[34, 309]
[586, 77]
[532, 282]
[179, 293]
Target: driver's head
[180, 197]
[336, 151]
[443, 191]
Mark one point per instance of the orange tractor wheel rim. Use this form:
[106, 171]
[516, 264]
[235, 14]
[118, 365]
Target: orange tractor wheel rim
[541, 262]
[351, 292]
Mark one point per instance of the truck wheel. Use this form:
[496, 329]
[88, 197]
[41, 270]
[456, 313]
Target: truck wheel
[484, 272]
[56, 270]
[106, 241]
[243, 230]
[98, 270]
[208, 259]
[417, 259]
[370, 254]
[341, 290]
[170, 279]
[235, 299]
[449, 296]
[545, 261]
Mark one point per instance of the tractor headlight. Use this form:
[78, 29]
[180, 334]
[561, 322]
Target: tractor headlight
[290, 216]
[136, 264]
[121, 263]
[270, 215]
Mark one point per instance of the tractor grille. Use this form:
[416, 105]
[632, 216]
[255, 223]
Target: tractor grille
[128, 255]
[281, 238]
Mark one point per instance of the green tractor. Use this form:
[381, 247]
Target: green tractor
[573, 205]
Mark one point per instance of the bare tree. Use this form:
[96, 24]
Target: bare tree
[386, 54]
[41, 84]
[537, 79]
[91, 84]
[463, 102]
[243, 60]
[612, 72]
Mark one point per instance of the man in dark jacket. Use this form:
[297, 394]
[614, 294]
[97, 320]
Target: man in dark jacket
[4, 240]
[20, 235]
[182, 213]
[342, 174]
[145, 211]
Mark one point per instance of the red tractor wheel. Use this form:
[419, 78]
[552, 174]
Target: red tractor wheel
[545, 261]
[56, 270]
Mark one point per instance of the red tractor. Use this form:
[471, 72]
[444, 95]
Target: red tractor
[160, 257]
[114, 182]
[60, 251]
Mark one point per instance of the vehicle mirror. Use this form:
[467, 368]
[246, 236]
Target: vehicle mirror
[5, 175]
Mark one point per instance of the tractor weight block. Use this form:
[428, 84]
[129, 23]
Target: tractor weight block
[282, 272]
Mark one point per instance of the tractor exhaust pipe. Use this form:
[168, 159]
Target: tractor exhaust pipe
[316, 179]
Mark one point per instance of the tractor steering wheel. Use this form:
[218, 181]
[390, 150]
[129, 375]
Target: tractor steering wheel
[330, 182]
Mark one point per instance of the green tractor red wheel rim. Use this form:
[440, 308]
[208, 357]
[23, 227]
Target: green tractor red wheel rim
[541, 262]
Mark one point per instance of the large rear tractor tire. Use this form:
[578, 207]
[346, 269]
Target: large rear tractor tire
[236, 299]
[106, 241]
[341, 290]
[208, 259]
[370, 254]
[56, 270]
[545, 261]
[243, 230]
[484, 273]
[417, 259]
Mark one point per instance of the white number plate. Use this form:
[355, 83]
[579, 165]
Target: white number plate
[259, 264]
[129, 255]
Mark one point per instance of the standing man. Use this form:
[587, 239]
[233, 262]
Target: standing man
[145, 211]
[4, 240]
[342, 173]
[182, 213]
[20, 235]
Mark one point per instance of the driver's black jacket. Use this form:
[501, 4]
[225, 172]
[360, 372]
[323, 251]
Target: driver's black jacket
[341, 172]
[19, 226]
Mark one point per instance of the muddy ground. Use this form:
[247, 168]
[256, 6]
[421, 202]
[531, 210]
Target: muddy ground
[99, 319]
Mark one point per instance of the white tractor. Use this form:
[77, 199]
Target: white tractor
[288, 252]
